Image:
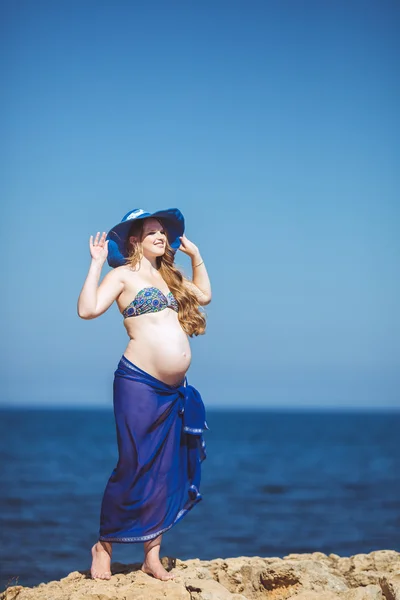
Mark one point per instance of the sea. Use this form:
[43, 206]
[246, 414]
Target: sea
[274, 482]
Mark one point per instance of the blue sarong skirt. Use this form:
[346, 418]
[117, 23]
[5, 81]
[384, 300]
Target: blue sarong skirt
[160, 447]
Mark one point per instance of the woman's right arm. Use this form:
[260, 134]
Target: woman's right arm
[94, 300]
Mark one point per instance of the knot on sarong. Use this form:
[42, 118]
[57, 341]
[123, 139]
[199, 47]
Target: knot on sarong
[192, 410]
[190, 404]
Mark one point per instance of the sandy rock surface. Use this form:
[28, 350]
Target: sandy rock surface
[314, 576]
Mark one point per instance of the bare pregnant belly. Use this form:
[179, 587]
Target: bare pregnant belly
[159, 347]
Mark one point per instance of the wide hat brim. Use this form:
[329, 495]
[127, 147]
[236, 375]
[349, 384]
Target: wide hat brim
[171, 218]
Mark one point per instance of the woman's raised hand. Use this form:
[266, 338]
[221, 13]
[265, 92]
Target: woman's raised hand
[188, 247]
[99, 247]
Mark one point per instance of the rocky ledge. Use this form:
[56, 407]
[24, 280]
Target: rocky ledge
[315, 576]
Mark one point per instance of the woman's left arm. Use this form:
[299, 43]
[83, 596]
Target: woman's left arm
[200, 284]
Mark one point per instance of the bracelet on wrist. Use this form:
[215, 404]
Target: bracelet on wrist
[200, 263]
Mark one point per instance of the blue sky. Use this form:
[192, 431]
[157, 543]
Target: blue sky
[273, 127]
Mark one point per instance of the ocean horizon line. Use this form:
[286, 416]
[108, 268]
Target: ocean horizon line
[213, 408]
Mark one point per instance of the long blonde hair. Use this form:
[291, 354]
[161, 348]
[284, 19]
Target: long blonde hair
[191, 316]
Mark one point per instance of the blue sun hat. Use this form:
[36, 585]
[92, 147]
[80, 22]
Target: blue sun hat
[171, 218]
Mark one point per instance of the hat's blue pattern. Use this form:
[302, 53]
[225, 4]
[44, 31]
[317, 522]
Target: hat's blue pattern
[171, 218]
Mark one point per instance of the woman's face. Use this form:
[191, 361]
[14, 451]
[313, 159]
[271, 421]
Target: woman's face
[153, 237]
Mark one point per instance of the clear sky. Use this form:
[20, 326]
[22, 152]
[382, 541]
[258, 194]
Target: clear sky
[272, 125]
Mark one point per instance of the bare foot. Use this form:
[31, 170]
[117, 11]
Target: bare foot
[101, 562]
[156, 569]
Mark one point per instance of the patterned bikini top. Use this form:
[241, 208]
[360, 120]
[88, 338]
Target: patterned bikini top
[149, 299]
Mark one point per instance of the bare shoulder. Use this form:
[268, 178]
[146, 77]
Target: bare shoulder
[119, 271]
[116, 279]
[123, 273]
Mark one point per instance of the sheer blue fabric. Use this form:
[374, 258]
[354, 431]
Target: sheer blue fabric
[160, 447]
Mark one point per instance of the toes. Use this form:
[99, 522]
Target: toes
[106, 575]
[97, 575]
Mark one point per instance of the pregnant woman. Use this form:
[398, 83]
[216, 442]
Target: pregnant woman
[159, 417]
